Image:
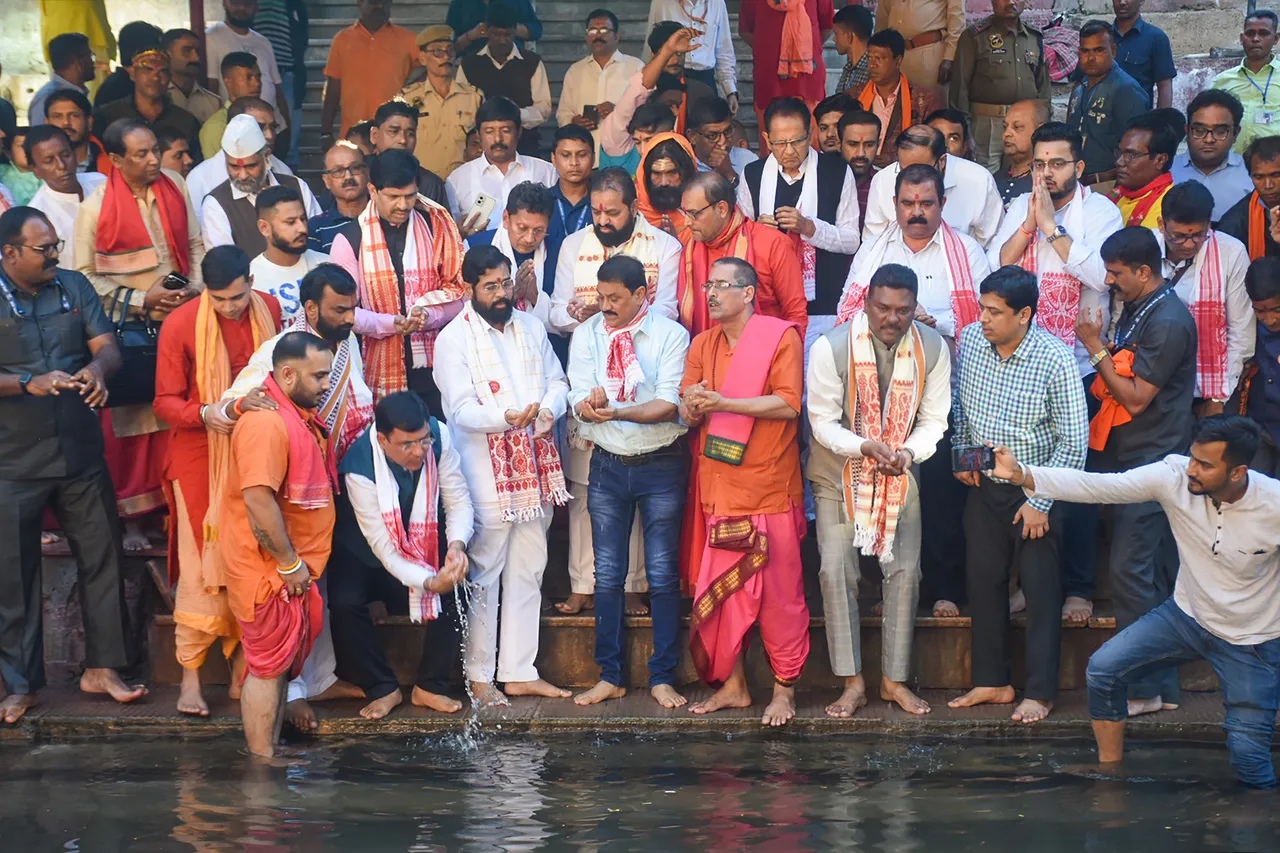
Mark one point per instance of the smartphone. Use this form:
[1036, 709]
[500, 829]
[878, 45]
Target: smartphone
[175, 281]
[481, 209]
[972, 458]
[592, 112]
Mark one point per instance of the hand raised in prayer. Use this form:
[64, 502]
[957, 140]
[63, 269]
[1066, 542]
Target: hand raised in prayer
[1275, 224]
[1044, 206]
[296, 582]
[581, 310]
[1032, 220]
[93, 388]
[1089, 329]
[521, 418]
[790, 219]
[544, 422]
[1035, 523]
[527, 282]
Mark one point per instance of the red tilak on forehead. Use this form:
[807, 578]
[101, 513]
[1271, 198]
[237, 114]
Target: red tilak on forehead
[916, 197]
[240, 162]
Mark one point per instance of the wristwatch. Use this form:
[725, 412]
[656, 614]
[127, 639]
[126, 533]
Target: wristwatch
[1057, 234]
[1097, 357]
[23, 380]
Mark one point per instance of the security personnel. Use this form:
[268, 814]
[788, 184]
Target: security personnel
[1000, 60]
[446, 108]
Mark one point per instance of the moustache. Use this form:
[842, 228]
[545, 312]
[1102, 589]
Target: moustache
[349, 183]
[49, 263]
[499, 146]
[861, 161]
[917, 220]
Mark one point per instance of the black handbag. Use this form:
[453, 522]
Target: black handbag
[135, 381]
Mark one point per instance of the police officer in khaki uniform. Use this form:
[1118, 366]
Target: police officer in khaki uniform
[446, 108]
[999, 61]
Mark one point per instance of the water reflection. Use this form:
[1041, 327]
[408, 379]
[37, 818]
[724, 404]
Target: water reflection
[620, 793]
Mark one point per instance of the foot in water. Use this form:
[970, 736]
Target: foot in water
[486, 695]
[576, 603]
[108, 681]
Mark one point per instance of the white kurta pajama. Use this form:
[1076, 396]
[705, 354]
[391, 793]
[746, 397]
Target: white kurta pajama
[973, 201]
[61, 209]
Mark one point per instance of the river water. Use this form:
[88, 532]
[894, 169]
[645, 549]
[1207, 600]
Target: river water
[610, 793]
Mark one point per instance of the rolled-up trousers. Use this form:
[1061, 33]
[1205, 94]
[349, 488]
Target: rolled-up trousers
[85, 506]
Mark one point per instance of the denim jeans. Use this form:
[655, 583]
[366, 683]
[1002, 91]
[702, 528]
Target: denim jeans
[295, 118]
[615, 491]
[1166, 637]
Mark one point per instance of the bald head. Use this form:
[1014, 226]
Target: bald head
[1019, 123]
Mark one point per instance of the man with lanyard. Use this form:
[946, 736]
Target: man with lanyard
[1207, 270]
[1255, 219]
[810, 197]
[616, 231]
[1102, 103]
[1247, 82]
[573, 153]
[1146, 380]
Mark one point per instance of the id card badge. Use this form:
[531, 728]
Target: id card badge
[1264, 117]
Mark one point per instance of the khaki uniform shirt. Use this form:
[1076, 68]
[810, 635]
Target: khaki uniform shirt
[201, 103]
[999, 67]
[442, 123]
[913, 17]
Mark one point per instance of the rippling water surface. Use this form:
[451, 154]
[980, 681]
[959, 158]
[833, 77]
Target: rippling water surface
[623, 793]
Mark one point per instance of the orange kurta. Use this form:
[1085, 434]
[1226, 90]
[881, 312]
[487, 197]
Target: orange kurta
[260, 457]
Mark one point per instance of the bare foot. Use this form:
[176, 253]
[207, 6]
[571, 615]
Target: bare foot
[1077, 610]
[435, 701]
[943, 608]
[1017, 601]
[781, 708]
[633, 604]
[602, 692]
[576, 603]
[853, 698]
[536, 688]
[667, 696]
[190, 697]
[338, 690]
[896, 691]
[733, 694]
[984, 696]
[13, 706]
[134, 539]
[108, 681]
[50, 537]
[877, 609]
[1138, 707]
[300, 715]
[486, 695]
[379, 708]
[1031, 711]
[238, 667]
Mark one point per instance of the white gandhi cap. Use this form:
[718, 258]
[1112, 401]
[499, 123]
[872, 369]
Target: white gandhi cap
[243, 138]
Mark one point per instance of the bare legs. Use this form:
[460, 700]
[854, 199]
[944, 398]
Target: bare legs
[262, 712]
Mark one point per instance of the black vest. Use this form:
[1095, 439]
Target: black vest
[243, 216]
[830, 268]
[513, 80]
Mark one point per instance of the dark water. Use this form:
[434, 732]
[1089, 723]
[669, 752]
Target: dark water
[624, 793]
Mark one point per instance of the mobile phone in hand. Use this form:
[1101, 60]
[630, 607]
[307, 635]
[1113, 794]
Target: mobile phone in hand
[174, 281]
[972, 458]
[592, 112]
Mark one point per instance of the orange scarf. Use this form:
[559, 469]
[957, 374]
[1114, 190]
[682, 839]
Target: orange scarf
[1146, 197]
[662, 218]
[795, 50]
[1257, 227]
[122, 244]
[867, 97]
[696, 266]
[1112, 414]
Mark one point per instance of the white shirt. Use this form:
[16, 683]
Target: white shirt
[661, 346]
[840, 236]
[825, 395]
[664, 301]
[1242, 330]
[739, 158]
[469, 422]
[207, 174]
[587, 83]
[217, 228]
[540, 111]
[930, 267]
[282, 282]
[459, 516]
[61, 209]
[220, 39]
[973, 201]
[715, 45]
[1101, 219]
[480, 176]
[1229, 554]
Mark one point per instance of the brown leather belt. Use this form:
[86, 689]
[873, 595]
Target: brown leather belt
[926, 39]
[989, 110]
[1098, 178]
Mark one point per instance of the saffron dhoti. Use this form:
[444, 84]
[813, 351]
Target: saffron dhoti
[281, 634]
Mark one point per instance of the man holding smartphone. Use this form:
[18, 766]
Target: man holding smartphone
[1018, 387]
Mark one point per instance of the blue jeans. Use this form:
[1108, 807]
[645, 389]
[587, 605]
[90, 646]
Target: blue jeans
[614, 492]
[295, 118]
[1166, 637]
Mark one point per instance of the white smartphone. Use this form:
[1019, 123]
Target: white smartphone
[481, 210]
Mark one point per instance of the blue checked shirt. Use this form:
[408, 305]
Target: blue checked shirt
[1031, 402]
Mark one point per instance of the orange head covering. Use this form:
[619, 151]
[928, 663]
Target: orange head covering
[658, 218]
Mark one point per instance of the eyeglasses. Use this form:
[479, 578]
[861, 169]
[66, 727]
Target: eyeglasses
[714, 136]
[1055, 165]
[694, 214]
[1219, 131]
[409, 446]
[1198, 237]
[49, 250]
[1127, 156]
[442, 52]
[498, 286]
[343, 171]
[720, 285]
[599, 31]
[790, 143]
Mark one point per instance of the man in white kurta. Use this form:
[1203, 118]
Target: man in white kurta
[53, 161]
[597, 80]
[973, 204]
[502, 389]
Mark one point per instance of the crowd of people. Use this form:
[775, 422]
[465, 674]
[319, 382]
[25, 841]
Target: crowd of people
[932, 331]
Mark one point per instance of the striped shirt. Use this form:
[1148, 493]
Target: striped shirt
[1031, 402]
[272, 21]
[323, 228]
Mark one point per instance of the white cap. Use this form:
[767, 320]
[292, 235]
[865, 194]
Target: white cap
[243, 138]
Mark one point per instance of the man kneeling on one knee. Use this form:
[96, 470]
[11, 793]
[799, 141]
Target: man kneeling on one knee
[387, 546]
[1223, 609]
[860, 467]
